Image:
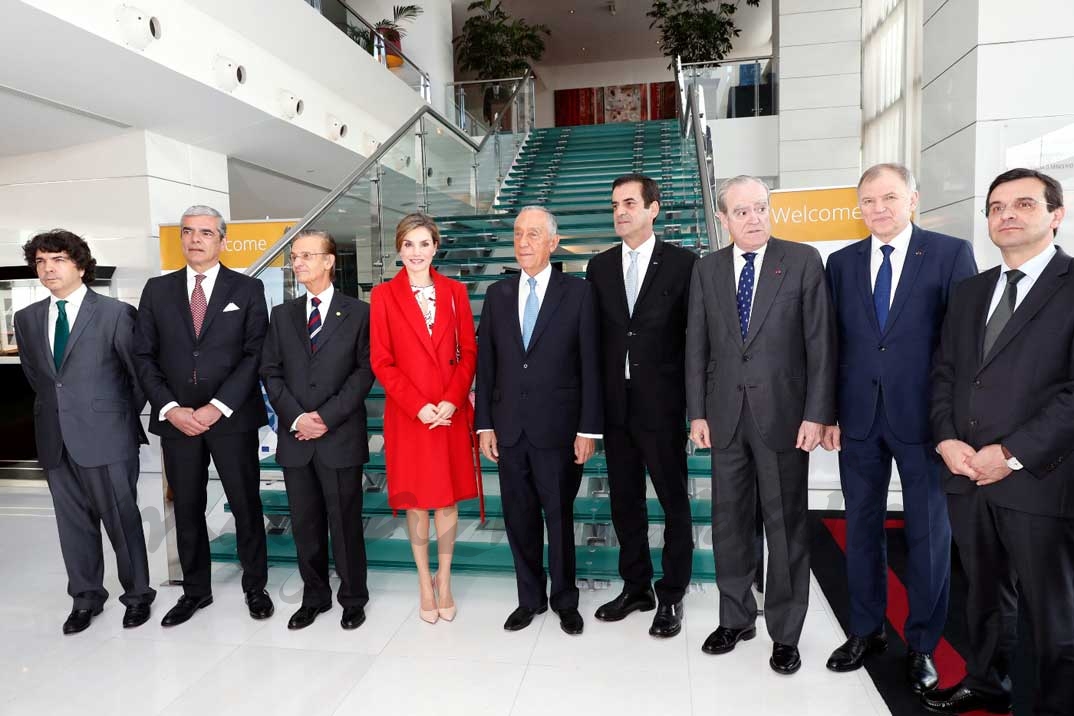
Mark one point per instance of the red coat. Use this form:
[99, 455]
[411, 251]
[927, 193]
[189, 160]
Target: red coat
[427, 469]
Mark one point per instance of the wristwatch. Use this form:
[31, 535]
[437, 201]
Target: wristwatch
[1012, 462]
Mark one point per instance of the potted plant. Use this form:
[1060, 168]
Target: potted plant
[393, 32]
[696, 30]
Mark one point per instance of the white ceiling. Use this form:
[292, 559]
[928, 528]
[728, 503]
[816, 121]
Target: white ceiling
[622, 36]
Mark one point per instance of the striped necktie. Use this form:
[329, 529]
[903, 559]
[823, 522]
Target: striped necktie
[314, 323]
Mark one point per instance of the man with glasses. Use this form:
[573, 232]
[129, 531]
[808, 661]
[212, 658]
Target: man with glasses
[760, 388]
[1003, 421]
[890, 292]
[317, 373]
[197, 348]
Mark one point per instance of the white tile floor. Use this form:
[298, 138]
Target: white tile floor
[224, 662]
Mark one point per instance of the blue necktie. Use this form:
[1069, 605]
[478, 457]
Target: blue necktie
[882, 289]
[632, 281]
[745, 294]
[529, 313]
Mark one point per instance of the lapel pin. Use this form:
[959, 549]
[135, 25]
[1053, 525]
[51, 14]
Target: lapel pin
[919, 252]
[779, 272]
[338, 313]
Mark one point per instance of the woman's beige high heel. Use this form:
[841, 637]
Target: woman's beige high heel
[446, 613]
[429, 615]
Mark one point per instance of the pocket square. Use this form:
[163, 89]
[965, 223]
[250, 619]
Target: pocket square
[230, 307]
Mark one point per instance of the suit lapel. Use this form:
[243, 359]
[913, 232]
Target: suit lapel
[181, 298]
[552, 296]
[979, 311]
[1051, 279]
[911, 267]
[768, 283]
[615, 268]
[650, 273]
[727, 290]
[85, 315]
[404, 296]
[40, 319]
[225, 282]
[332, 317]
[863, 276]
[511, 286]
[301, 323]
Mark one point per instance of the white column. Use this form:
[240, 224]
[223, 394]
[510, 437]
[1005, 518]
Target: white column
[997, 95]
[819, 92]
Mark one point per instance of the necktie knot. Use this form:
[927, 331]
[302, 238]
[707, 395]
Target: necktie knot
[61, 306]
[750, 256]
[886, 250]
[315, 301]
[633, 256]
[533, 284]
[198, 278]
[1013, 277]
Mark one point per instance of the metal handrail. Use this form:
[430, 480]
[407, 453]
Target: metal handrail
[691, 121]
[728, 61]
[395, 47]
[485, 82]
[270, 253]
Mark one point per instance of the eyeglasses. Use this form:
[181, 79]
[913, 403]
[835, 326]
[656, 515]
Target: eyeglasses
[305, 255]
[1025, 205]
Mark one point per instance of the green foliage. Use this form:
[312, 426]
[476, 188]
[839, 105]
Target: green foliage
[696, 30]
[494, 45]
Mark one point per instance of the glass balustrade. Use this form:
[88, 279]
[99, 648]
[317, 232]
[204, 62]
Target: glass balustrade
[735, 88]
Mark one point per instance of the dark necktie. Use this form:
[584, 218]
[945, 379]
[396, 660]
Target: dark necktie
[314, 323]
[882, 289]
[745, 294]
[63, 330]
[1004, 310]
[198, 304]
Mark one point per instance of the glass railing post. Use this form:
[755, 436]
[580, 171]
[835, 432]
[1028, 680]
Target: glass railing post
[376, 223]
[422, 168]
[380, 50]
[460, 108]
[757, 88]
[426, 88]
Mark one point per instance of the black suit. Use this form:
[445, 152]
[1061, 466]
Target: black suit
[323, 476]
[220, 363]
[645, 416]
[537, 401]
[1019, 530]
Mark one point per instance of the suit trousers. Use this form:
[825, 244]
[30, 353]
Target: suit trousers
[742, 472]
[629, 451]
[533, 479]
[865, 473]
[85, 498]
[325, 499]
[186, 461]
[1004, 551]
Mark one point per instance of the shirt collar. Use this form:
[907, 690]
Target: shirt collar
[738, 253]
[1036, 265]
[900, 243]
[325, 296]
[210, 274]
[644, 251]
[542, 278]
[74, 300]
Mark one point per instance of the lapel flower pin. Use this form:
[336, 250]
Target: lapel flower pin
[779, 272]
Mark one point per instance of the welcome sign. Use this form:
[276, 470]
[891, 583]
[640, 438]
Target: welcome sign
[245, 242]
[809, 215]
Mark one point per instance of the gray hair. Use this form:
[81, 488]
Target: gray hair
[898, 169]
[553, 225]
[202, 210]
[324, 236]
[728, 184]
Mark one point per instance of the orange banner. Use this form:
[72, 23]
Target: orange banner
[245, 242]
[817, 214]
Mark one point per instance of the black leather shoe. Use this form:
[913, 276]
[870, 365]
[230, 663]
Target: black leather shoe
[724, 639]
[135, 616]
[521, 618]
[259, 604]
[353, 617]
[851, 655]
[668, 620]
[184, 609]
[305, 616]
[921, 672]
[570, 621]
[785, 659]
[960, 699]
[624, 604]
[79, 619]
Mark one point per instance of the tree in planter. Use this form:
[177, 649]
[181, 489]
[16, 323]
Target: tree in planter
[696, 30]
[494, 45]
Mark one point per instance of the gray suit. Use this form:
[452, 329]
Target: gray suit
[87, 430]
[755, 393]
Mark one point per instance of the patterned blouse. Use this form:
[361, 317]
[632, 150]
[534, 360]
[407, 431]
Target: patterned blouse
[426, 298]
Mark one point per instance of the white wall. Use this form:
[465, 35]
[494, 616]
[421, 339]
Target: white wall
[745, 145]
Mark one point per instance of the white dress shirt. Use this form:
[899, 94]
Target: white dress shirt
[74, 302]
[740, 263]
[900, 244]
[1032, 270]
[645, 255]
[207, 285]
[326, 301]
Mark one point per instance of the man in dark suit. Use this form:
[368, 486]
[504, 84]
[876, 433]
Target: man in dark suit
[316, 369]
[1003, 420]
[197, 349]
[641, 287]
[75, 349]
[760, 387]
[538, 412]
[890, 293]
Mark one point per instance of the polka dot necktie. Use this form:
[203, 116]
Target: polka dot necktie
[745, 293]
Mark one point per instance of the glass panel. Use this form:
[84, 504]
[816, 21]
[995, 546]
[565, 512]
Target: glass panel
[449, 171]
[401, 191]
[736, 89]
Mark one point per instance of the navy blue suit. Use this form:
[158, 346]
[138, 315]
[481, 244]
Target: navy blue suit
[883, 409]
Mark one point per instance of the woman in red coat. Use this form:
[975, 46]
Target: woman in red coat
[424, 353]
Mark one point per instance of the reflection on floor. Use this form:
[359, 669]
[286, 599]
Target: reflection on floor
[224, 662]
